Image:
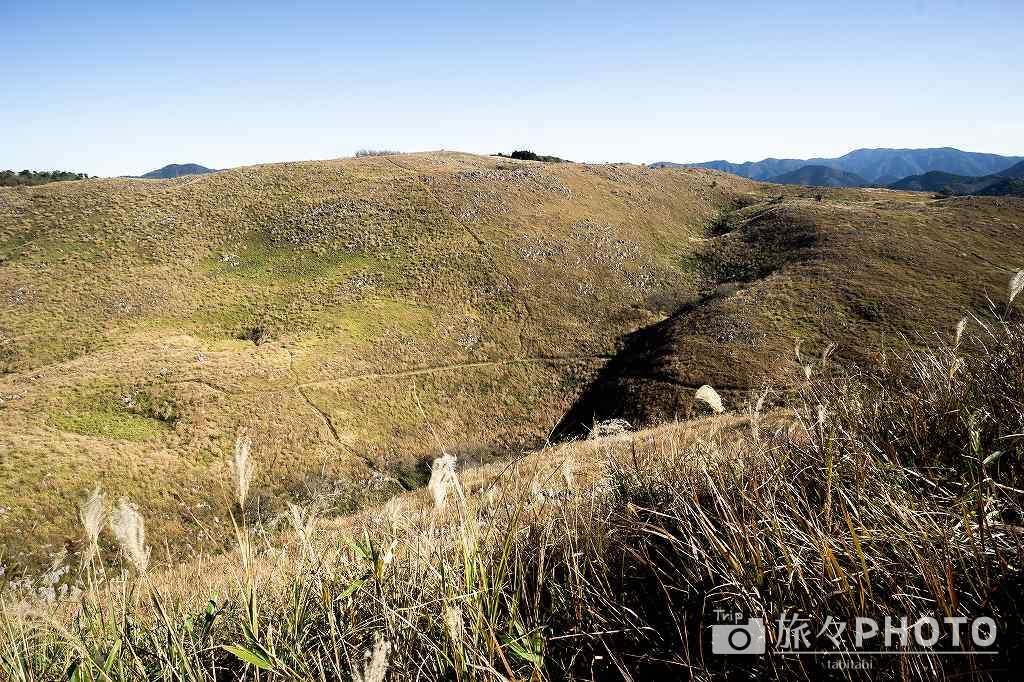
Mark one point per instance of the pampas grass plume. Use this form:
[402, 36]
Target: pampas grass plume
[129, 528]
[92, 513]
[442, 479]
[710, 397]
[243, 466]
[1016, 286]
[960, 327]
[376, 666]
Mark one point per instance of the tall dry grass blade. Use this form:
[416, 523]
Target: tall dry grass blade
[129, 528]
[827, 353]
[710, 397]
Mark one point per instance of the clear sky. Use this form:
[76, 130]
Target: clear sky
[113, 88]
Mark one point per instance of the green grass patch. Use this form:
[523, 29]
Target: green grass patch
[367, 320]
[116, 425]
[261, 260]
[104, 417]
[28, 249]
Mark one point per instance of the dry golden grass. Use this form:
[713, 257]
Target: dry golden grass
[608, 558]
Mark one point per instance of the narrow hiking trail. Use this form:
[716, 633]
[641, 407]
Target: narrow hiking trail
[540, 359]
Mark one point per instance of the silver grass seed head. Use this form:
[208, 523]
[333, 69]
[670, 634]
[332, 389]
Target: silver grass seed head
[443, 479]
[1016, 286]
[710, 397]
[960, 327]
[129, 527]
[243, 467]
[92, 513]
[454, 622]
[567, 474]
[375, 666]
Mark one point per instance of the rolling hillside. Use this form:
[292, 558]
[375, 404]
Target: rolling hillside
[333, 309]
[820, 176]
[354, 317]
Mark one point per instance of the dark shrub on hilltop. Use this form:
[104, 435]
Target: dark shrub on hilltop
[526, 155]
[9, 178]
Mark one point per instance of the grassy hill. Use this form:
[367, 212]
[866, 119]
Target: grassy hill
[862, 269]
[355, 316]
[889, 488]
[337, 311]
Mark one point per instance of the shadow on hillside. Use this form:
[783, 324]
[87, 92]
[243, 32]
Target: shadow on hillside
[653, 376]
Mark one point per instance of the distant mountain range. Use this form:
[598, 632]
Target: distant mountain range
[1006, 182]
[875, 166]
[176, 170]
[820, 176]
[1015, 171]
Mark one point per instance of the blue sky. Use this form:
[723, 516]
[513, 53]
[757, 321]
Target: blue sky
[116, 88]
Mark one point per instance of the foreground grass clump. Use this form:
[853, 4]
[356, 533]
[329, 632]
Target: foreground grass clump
[894, 492]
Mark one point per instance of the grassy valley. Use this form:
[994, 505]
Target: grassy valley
[279, 367]
[336, 311]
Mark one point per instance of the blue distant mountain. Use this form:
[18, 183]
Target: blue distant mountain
[820, 176]
[176, 170]
[1009, 182]
[876, 166]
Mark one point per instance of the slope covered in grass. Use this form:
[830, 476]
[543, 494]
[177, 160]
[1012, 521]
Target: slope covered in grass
[354, 316]
[862, 270]
[331, 309]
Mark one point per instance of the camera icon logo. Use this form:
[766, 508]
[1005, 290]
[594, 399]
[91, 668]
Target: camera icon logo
[738, 638]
